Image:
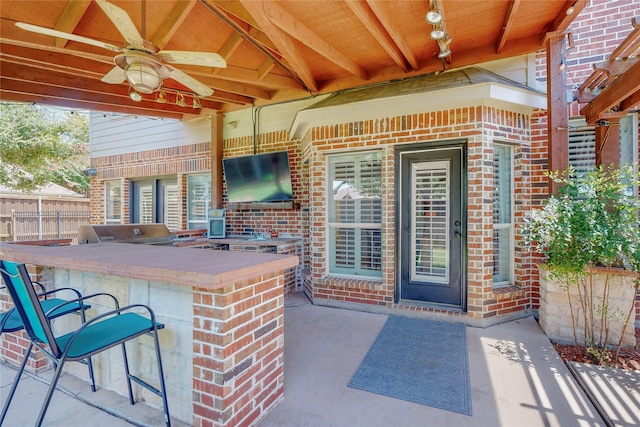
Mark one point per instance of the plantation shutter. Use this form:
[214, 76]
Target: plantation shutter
[172, 207]
[582, 145]
[146, 204]
[355, 214]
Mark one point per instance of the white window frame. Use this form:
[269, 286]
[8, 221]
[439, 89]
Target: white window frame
[333, 225]
[108, 199]
[194, 224]
[510, 225]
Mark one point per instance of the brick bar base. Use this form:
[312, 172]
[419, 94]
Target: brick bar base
[238, 345]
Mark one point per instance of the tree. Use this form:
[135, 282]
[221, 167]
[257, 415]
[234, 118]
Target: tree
[39, 146]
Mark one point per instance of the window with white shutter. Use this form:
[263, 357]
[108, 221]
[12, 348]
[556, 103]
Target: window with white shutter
[198, 200]
[502, 215]
[113, 202]
[172, 207]
[355, 214]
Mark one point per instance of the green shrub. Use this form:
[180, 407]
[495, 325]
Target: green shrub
[591, 222]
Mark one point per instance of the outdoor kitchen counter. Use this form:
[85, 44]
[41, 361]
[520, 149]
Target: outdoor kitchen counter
[223, 341]
[194, 268]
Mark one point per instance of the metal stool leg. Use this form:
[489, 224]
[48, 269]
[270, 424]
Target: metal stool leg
[14, 386]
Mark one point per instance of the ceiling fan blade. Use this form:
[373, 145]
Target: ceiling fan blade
[199, 88]
[115, 76]
[123, 23]
[67, 36]
[207, 59]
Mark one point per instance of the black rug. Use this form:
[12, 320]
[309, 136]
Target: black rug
[420, 361]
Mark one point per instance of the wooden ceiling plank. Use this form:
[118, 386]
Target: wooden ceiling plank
[250, 77]
[282, 42]
[369, 19]
[287, 23]
[625, 86]
[172, 22]
[507, 25]
[395, 33]
[71, 16]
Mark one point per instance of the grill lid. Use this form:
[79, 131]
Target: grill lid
[150, 234]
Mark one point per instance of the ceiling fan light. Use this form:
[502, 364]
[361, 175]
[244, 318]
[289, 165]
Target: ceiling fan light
[135, 96]
[142, 77]
[196, 102]
[438, 33]
[444, 53]
[433, 17]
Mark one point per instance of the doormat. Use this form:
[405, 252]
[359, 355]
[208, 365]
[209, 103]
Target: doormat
[419, 361]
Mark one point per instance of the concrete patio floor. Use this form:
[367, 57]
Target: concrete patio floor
[517, 379]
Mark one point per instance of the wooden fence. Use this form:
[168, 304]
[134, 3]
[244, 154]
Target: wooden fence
[37, 218]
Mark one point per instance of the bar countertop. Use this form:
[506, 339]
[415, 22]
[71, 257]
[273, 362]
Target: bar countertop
[191, 267]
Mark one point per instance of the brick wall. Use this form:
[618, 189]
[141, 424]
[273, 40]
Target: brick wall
[238, 362]
[173, 161]
[480, 126]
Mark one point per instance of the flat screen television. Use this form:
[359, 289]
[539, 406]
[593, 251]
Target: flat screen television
[258, 178]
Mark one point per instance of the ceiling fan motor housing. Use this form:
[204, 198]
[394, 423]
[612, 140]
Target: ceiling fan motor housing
[143, 72]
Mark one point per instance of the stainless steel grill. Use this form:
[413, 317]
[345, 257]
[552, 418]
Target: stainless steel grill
[145, 234]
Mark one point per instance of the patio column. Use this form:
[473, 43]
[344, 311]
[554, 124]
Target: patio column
[557, 112]
[216, 160]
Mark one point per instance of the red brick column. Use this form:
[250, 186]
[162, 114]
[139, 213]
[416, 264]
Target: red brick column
[238, 345]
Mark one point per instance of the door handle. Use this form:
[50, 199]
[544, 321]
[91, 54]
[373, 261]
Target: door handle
[457, 234]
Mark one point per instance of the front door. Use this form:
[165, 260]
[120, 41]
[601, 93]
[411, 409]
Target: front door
[432, 226]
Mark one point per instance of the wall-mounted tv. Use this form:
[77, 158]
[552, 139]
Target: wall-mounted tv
[258, 178]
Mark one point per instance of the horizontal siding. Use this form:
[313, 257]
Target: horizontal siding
[113, 135]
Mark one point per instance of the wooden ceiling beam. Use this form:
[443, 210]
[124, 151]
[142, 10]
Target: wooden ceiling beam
[58, 60]
[630, 44]
[80, 104]
[71, 16]
[172, 22]
[265, 68]
[237, 10]
[625, 86]
[282, 42]
[395, 33]
[287, 23]
[507, 25]
[563, 20]
[87, 87]
[247, 76]
[105, 59]
[371, 22]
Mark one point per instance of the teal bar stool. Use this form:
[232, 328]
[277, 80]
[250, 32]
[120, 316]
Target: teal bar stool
[53, 308]
[96, 335]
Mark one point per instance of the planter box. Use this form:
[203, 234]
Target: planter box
[555, 317]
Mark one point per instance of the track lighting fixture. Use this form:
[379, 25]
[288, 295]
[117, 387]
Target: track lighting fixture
[180, 101]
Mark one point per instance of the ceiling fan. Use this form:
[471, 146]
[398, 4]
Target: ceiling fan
[140, 62]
